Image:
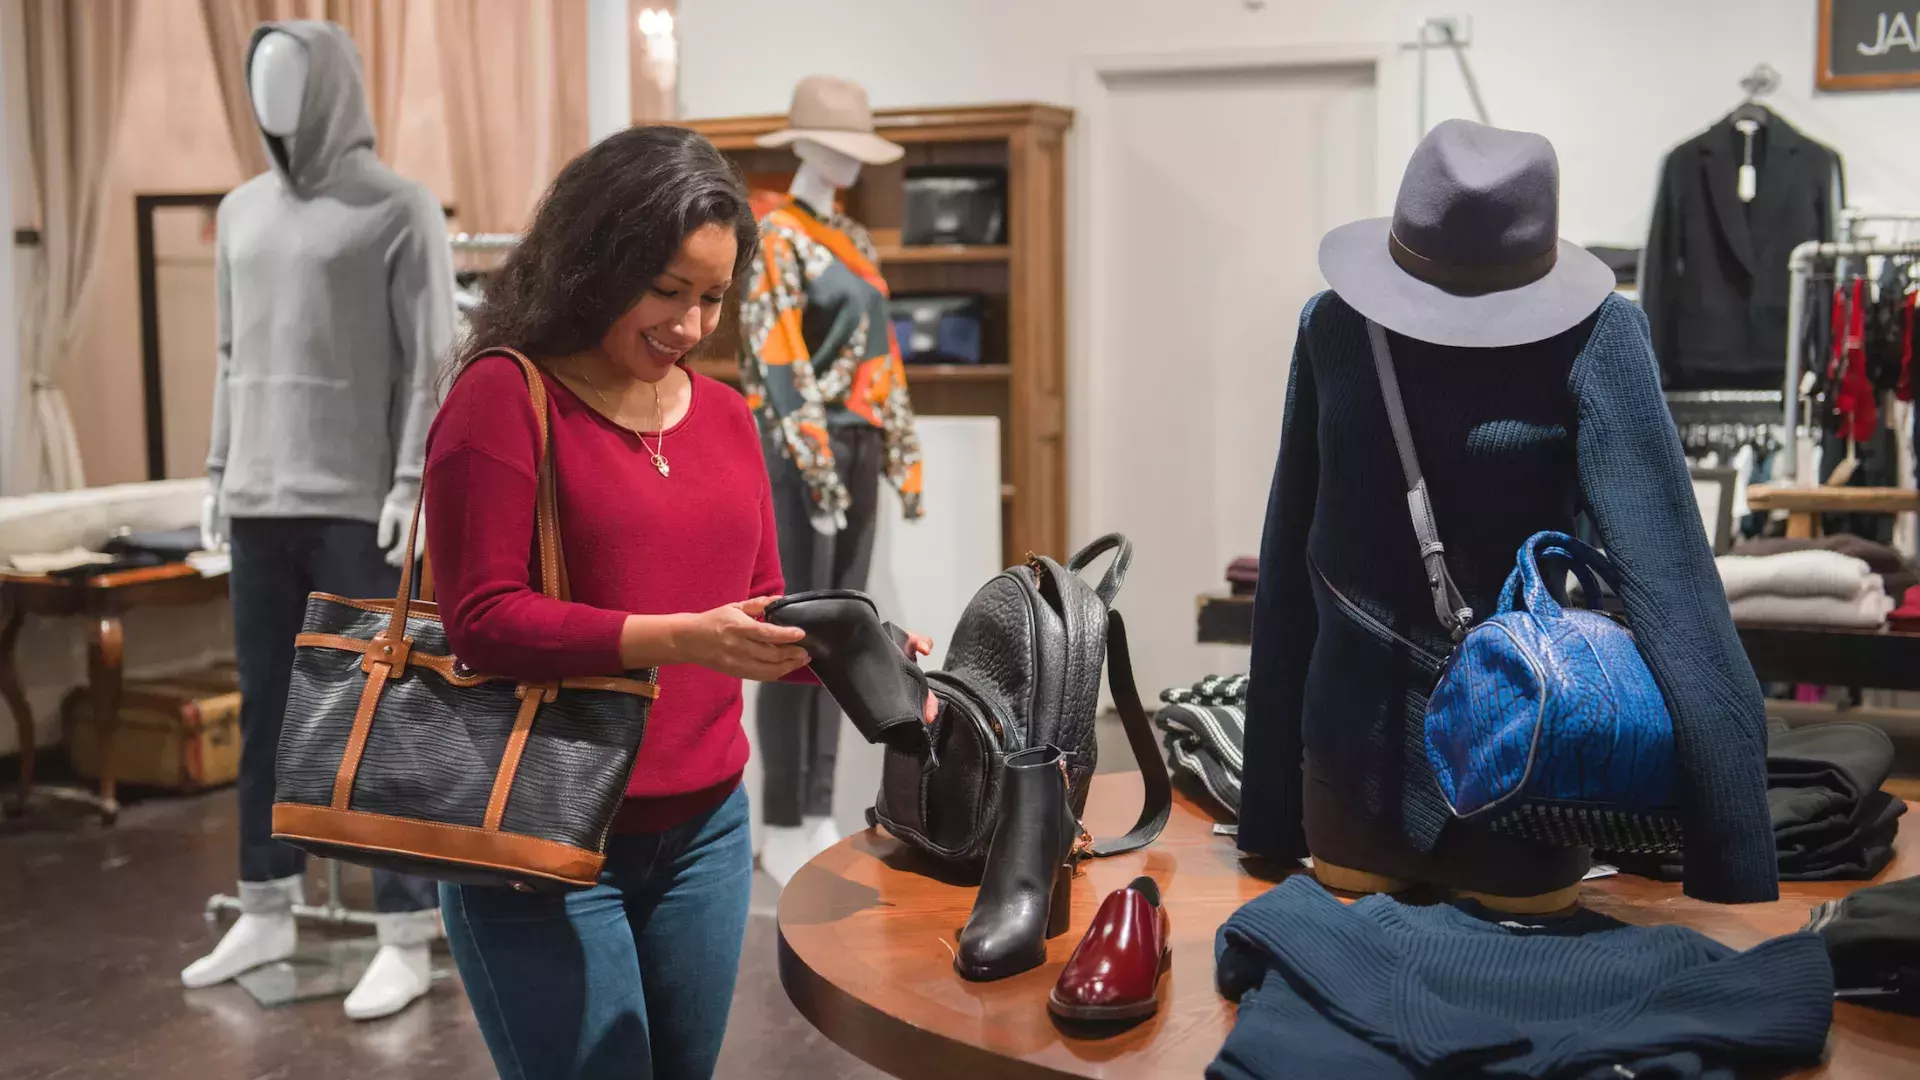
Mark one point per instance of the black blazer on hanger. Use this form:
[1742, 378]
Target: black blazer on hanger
[1714, 284]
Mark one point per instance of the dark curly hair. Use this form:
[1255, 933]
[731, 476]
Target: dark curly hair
[609, 225]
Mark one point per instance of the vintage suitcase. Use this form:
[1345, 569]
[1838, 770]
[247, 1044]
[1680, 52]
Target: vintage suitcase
[176, 734]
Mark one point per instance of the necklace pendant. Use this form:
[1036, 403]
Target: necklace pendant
[660, 462]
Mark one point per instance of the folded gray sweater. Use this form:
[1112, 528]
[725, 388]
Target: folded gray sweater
[334, 298]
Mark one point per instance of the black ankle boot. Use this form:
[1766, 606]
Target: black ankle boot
[1026, 890]
[861, 661]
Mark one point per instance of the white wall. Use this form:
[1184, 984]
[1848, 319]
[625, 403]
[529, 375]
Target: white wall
[609, 96]
[1614, 85]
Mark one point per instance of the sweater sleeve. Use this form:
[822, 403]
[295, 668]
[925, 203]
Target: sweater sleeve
[1283, 627]
[1634, 478]
[420, 303]
[480, 487]
[222, 356]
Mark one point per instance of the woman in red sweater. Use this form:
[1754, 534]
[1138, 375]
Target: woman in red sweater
[668, 531]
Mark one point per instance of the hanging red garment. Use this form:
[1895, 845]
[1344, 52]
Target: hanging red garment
[1853, 398]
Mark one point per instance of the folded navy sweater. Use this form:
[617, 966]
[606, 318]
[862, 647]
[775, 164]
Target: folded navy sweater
[1383, 989]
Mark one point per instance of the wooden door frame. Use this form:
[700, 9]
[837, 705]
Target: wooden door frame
[1088, 335]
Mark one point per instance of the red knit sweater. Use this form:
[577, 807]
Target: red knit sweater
[635, 543]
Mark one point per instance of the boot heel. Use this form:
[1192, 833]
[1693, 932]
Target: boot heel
[1060, 905]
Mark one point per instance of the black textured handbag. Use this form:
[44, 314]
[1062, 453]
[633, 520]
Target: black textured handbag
[395, 755]
[1022, 670]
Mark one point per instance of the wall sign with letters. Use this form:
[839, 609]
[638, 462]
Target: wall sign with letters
[1868, 45]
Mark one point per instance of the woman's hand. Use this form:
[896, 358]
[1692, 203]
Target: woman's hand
[919, 645]
[732, 640]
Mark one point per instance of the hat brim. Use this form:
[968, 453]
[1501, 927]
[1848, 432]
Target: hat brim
[862, 146]
[1356, 263]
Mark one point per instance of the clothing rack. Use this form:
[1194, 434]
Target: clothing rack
[1800, 267]
[483, 241]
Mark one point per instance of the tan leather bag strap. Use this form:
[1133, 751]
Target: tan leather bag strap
[546, 514]
[388, 654]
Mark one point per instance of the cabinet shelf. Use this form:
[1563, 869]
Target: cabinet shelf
[945, 253]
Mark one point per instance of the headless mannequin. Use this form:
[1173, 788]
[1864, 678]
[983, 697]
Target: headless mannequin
[823, 173]
[401, 970]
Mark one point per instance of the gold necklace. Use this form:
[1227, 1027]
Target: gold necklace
[659, 423]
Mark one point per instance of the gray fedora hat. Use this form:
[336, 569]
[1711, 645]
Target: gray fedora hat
[1472, 254]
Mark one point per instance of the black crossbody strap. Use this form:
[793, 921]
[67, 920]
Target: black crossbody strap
[1448, 602]
[1158, 803]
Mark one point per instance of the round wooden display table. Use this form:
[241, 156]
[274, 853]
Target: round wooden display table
[866, 954]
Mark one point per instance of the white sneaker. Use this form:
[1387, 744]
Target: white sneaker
[398, 976]
[785, 849]
[822, 833]
[252, 941]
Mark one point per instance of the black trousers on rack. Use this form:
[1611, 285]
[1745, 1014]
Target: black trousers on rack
[799, 726]
[276, 563]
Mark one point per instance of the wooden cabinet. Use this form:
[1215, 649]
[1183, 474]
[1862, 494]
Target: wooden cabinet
[1024, 382]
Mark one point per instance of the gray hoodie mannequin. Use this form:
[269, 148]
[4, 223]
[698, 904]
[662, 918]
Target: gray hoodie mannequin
[334, 290]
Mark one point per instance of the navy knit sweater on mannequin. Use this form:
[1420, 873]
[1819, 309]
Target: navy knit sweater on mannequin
[1512, 441]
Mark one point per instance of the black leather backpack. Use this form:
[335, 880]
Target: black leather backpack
[1022, 670]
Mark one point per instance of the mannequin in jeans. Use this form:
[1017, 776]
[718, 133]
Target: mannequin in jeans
[310, 476]
[824, 172]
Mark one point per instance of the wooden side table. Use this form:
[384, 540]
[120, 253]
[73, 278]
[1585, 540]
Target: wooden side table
[101, 600]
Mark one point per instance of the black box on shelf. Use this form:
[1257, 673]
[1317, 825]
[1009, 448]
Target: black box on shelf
[946, 329]
[955, 204]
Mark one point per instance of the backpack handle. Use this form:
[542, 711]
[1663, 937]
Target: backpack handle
[1116, 574]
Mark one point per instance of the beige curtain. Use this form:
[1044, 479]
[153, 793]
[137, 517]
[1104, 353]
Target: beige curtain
[514, 76]
[378, 28]
[76, 72]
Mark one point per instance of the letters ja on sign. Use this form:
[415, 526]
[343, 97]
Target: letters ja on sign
[1895, 31]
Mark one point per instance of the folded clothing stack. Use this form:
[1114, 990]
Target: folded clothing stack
[1205, 726]
[1804, 588]
[1831, 821]
[1873, 939]
[1896, 571]
[1243, 575]
[1383, 989]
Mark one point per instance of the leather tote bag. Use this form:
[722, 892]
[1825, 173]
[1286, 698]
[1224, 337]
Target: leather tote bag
[1546, 722]
[396, 755]
[1023, 670]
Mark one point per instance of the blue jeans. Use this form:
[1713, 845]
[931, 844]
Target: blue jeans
[631, 978]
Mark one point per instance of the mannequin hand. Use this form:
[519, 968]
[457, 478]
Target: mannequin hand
[827, 524]
[734, 641]
[213, 524]
[396, 516]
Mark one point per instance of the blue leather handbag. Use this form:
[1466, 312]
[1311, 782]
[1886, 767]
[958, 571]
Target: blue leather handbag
[1546, 722]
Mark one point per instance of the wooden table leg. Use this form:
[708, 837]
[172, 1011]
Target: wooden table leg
[105, 651]
[16, 698]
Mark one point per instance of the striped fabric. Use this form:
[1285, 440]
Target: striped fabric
[1205, 725]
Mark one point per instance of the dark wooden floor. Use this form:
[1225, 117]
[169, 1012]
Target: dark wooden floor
[95, 925]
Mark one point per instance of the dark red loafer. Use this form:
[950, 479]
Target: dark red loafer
[1115, 971]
